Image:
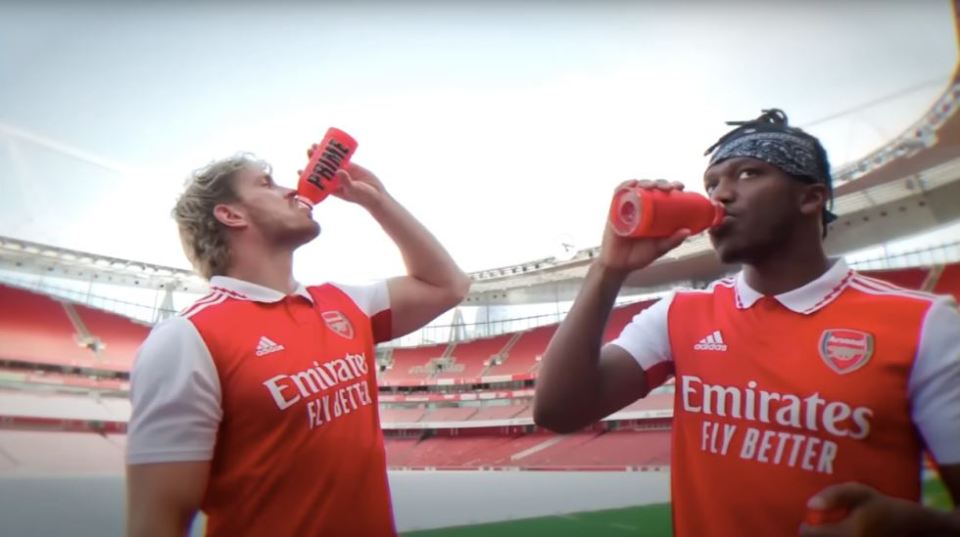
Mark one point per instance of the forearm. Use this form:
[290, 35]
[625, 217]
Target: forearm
[423, 255]
[166, 524]
[570, 381]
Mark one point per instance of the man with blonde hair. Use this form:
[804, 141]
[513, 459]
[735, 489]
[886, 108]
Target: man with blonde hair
[258, 404]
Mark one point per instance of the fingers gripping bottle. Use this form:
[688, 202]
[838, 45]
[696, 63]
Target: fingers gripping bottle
[319, 179]
[652, 213]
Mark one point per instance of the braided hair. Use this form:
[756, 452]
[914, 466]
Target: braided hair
[770, 138]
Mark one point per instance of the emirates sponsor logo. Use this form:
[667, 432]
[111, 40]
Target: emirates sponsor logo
[845, 350]
[328, 390]
[813, 413]
[787, 429]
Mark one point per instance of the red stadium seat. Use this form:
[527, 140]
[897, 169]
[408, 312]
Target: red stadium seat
[949, 282]
[471, 357]
[909, 278]
[35, 328]
[409, 365]
[121, 337]
[523, 356]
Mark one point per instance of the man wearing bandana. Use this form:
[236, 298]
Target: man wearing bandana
[806, 393]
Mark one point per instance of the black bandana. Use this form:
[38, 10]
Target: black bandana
[770, 139]
[789, 152]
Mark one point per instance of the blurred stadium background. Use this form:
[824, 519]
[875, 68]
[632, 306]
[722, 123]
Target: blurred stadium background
[455, 397]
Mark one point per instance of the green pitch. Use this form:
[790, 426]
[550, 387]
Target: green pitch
[645, 521]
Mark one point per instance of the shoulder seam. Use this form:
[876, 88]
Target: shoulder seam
[215, 299]
[875, 287]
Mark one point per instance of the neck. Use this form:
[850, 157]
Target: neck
[261, 264]
[788, 269]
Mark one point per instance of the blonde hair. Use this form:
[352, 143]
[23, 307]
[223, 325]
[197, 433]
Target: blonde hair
[203, 237]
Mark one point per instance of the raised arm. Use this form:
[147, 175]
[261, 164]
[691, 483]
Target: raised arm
[580, 382]
[433, 283]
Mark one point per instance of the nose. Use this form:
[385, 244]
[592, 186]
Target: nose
[725, 191]
[288, 192]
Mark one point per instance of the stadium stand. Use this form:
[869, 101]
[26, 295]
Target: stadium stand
[40, 335]
[35, 328]
[653, 401]
[452, 413]
[909, 278]
[470, 359]
[524, 356]
[949, 282]
[620, 317]
[410, 365]
[498, 412]
[41, 377]
[401, 415]
[119, 337]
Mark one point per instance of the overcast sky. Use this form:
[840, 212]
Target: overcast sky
[504, 128]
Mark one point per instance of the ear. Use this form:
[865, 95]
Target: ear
[229, 216]
[813, 199]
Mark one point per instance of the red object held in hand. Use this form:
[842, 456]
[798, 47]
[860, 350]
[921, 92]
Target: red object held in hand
[652, 213]
[817, 517]
[319, 179]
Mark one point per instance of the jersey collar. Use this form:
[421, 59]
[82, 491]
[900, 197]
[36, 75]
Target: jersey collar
[244, 290]
[806, 299]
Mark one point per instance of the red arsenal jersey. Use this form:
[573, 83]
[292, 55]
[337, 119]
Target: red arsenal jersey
[777, 397]
[279, 393]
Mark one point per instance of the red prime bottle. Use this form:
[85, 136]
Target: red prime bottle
[651, 212]
[319, 178]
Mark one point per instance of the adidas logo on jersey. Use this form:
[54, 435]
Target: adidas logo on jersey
[713, 342]
[266, 346]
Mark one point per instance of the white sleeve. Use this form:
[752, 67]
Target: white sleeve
[175, 396]
[646, 336]
[934, 384]
[372, 298]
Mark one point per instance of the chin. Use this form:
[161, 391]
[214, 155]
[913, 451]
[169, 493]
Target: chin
[302, 235]
[729, 253]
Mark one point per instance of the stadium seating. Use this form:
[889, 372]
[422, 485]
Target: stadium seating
[119, 336]
[624, 448]
[473, 355]
[523, 356]
[401, 415]
[35, 328]
[407, 360]
[654, 401]
[498, 412]
[909, 278]
[398, 449]
[452, 413]
[620, 317]
[949, 282]
[34, 377]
